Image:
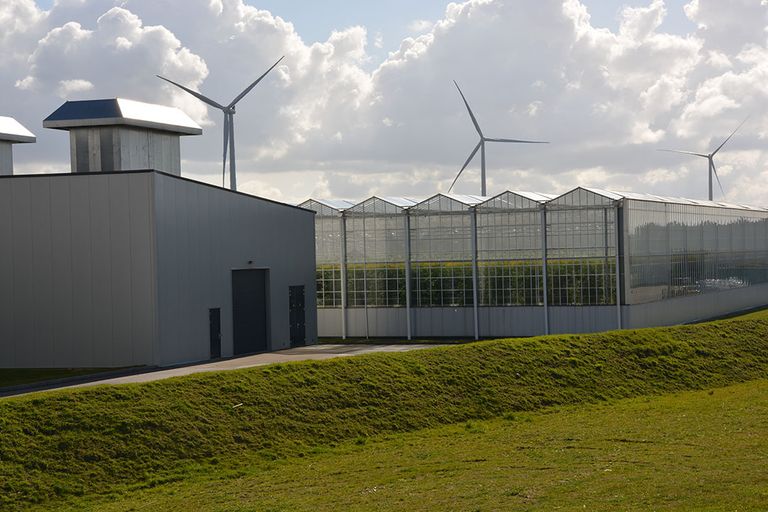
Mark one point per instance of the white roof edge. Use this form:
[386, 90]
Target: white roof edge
[13, 131]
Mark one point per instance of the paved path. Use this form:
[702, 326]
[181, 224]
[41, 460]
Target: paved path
[313, 352]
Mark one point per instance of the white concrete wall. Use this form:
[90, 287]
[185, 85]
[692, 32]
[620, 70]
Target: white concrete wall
[329, 322]
[380, 323]
[203, 233]
[694, 308]
[76, 271]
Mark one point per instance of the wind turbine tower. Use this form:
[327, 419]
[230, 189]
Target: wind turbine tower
[229, 123]
[481, 146]
[711, 159]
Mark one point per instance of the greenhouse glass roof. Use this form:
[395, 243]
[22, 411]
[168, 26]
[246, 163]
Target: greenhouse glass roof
[580, 197]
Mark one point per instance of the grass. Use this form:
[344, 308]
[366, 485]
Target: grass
[114, 439]
[700, 451]
[761, 314]
[15, 377]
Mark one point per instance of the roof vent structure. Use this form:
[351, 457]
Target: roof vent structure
[121, 135]
[11, 132]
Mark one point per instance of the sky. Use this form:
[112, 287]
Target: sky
[364, 103]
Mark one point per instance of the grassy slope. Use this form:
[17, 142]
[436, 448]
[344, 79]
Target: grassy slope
[688, 451]
[111, 438]
[761, 314]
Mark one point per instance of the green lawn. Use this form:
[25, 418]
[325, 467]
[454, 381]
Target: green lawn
[14, 377]
[705, 450]
[59, 445]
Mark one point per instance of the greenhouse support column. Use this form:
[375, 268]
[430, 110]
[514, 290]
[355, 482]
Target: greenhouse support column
[408, 326]
[618, 232]
[343, 222]
[475, 310]
[545, 280]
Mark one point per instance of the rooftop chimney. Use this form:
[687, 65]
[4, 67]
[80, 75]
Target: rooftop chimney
[11, 132]
[122, 135]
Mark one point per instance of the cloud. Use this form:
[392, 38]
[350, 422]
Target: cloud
[329, 121]
[69, 88]
[420, 25]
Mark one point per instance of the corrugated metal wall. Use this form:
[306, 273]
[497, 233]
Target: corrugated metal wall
[203, 234]
[76, 271]
[120, 269]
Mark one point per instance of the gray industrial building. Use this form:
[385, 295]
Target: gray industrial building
[522, 264]
[123, 262]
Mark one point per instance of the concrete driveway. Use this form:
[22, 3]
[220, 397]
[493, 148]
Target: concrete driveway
[313, 352]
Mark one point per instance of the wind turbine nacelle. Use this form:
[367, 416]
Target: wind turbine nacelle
[122, 135]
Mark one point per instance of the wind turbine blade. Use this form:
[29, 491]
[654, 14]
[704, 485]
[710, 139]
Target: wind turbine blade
[224, 161]
[729, 137]
[193, 93]
[471, 156]
[248, 89]
[471, 114]
[684, 152]
[518, 141]
[714, 169]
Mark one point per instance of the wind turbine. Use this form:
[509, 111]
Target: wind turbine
[481, 146]
[711, 158]
[229, 122]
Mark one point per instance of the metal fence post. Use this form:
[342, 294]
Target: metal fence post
[408, 325]
[343, 223]
[544, 272]
[475, 307]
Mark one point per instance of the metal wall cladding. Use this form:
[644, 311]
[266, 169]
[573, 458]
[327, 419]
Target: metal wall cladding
[203, 233]
[6, 158]
[121, 269]
[76, 271]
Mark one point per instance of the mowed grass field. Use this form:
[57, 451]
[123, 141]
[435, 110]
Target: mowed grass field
[341, 434]
[705, 450]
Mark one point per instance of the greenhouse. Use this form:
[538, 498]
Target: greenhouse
[522, 263]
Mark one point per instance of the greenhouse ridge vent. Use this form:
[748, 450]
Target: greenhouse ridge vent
[523, 263]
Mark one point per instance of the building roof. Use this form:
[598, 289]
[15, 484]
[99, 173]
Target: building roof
[511, 200]
[12, 131]
[381, 205]
[639, 196]
[335, 204]
[123, 112]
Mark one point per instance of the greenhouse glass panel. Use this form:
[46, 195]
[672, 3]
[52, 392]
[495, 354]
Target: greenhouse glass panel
[441, 252]
[581, 250]
[709, 248]
[327, 251]
[376, 253]
[509, 251]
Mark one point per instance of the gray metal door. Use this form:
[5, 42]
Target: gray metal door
[297, 316]
[214, 322]
[249, 311]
